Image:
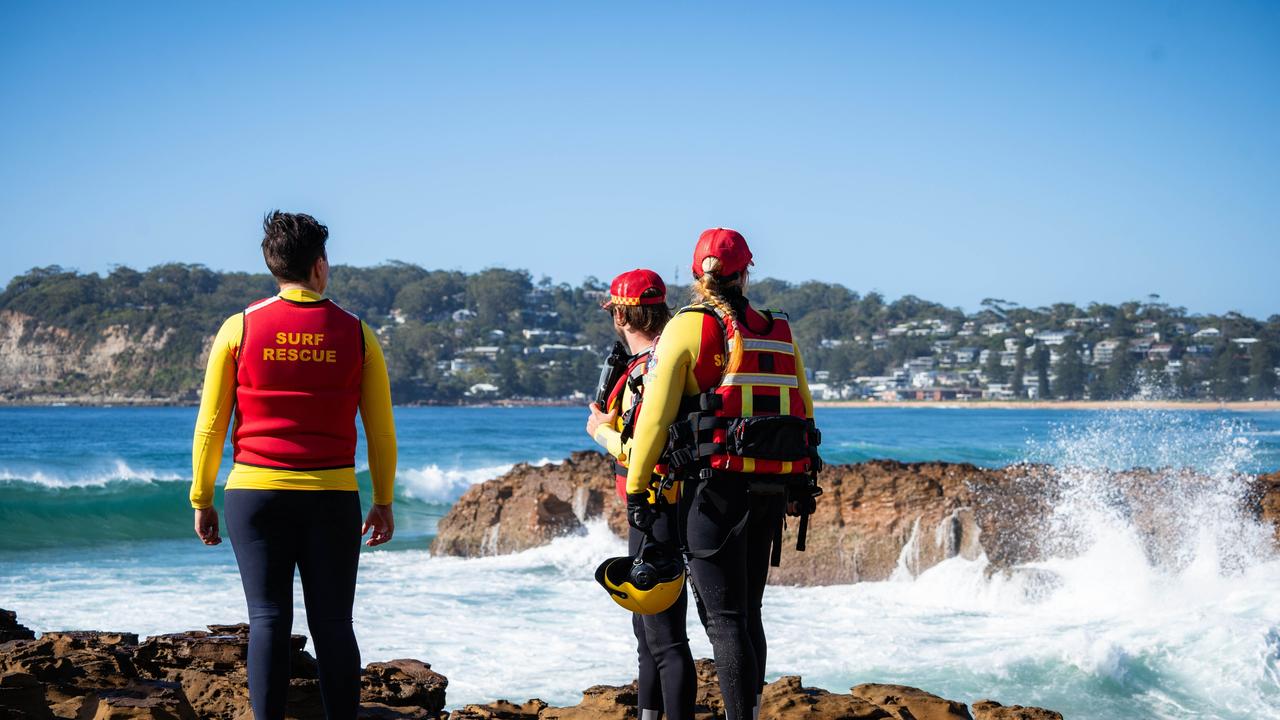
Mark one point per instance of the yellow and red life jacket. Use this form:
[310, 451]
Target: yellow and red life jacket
[754, 419]
[298, 373]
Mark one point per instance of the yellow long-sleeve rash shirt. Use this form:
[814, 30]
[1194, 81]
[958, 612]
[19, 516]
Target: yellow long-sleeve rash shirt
[672, 377]
[218, 400]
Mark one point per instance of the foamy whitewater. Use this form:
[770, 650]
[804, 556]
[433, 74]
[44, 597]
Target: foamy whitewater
[1096, 631]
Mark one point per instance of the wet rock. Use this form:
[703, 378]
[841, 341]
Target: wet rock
[529, 506]
[992, 710]
[875, 520]
[500, 710]
[787, 698]
[907, 703]
[11, 629]
[194, 674]
[141, 700]
[400, 683]
[606, 702]
[22, 696]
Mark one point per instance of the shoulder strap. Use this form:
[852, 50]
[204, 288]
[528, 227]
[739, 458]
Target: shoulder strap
[710, 310]
[635, 369]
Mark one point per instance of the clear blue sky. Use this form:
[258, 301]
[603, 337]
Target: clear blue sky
[956, 151]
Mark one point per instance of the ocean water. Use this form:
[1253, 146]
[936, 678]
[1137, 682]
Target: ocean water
[95, 533]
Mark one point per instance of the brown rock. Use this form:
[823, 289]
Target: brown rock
[908, 703]
[1266, 494]
[11, 629]
[527, 507]
[22, 696]
[500, 710]
[874, 519]
[400, 683]
[141, 700]
[992, 710]
[787, 698]
[606, 702]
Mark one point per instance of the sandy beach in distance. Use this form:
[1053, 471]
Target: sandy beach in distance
[1253, 405]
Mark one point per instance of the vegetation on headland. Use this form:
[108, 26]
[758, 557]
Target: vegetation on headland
[498, 335]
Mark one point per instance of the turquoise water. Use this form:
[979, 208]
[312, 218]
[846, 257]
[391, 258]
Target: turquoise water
[93, 508]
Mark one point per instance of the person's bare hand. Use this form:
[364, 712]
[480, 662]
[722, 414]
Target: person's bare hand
[598, 417]
[207, 526]
[382, 522]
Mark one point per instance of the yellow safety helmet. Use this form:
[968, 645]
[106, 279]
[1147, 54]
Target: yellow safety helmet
[647, 583]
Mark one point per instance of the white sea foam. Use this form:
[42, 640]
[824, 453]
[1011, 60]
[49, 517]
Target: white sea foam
[431, 483]
[113, 471]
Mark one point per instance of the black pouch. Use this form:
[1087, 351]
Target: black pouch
[772, 437]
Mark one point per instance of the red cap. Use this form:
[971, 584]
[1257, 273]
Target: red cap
[728, 246]
[629, 288]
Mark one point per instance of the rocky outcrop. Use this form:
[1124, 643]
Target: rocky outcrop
[198, 674]
[875, 519]
[40, 362]
[11, 629]
[184, 676]
[529, 506]
[786, 698]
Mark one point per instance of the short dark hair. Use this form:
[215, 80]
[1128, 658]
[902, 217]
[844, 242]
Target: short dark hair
[291, 244]
[648, 319]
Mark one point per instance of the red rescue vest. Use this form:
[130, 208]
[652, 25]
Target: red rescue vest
[754, 420]
[298, 385]
[633, 377]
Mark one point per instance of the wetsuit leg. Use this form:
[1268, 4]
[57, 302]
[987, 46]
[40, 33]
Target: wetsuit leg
[649, 695]
[721, 582]
[328, 555]
[766, 515]
[667, 638]
[260, 523]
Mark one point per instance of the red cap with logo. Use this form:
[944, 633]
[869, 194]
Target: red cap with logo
[629, 288]
[726, 245]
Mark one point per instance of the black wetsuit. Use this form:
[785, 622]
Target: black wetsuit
[729, 585]
[318, 532]
[667, 680]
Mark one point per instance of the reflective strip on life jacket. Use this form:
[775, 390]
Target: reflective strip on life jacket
[761, 379]
[769, 345]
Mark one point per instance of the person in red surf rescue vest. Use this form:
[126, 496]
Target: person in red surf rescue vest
[289, 373]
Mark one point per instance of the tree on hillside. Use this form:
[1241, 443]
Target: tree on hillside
[993, 370]
[1070, 376]
[1262, 372]
[1016, 384]
[1228, 366]
[1040, 361]
[496, 294]
[1118, 382]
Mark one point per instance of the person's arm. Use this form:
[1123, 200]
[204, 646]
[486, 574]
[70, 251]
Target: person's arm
[664, 386]
[216, 402]
[379, 422]
[380, 436]
[608, 437]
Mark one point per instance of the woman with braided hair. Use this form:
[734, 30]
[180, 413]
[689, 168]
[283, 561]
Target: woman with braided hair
[733, 378]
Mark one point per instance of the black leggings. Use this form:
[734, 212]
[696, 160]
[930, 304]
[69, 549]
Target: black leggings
[729, 585]
[667, 681]
[317, 531]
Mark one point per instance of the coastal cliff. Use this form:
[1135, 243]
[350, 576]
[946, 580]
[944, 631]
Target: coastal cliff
[201, 674]
[874, 520]
[43, 362]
